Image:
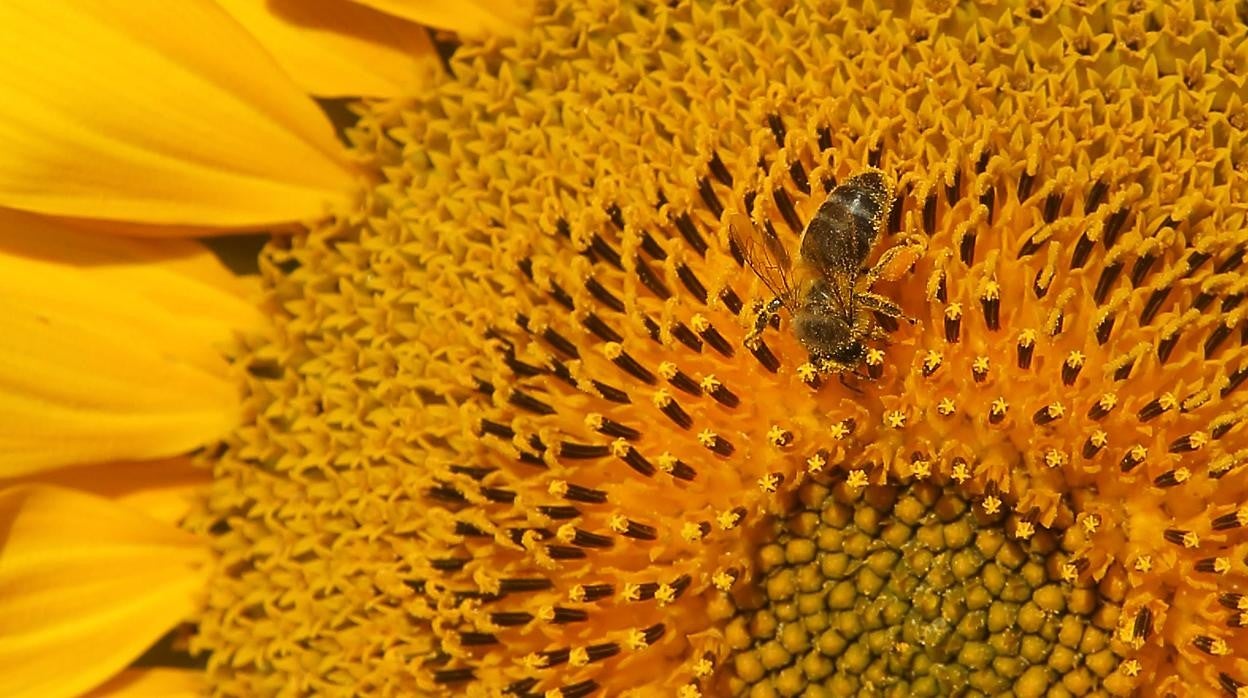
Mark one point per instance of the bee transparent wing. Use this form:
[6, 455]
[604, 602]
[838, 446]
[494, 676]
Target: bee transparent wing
[767, 258]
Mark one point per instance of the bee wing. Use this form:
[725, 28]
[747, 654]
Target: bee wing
[767, 258]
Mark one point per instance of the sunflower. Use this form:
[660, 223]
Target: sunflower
[156, 120]
[510, 430]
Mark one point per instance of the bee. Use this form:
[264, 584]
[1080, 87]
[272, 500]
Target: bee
[828, 290]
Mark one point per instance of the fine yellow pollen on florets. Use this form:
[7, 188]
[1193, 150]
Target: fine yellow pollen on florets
[508, 435]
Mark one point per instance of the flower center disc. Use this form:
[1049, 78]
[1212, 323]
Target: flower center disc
[910, 591]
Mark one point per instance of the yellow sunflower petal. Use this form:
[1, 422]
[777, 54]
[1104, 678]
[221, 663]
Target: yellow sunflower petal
[162, 489]
[159, 113]
[86, 586]
[153, 683]
[468, 17]
[333, 48]
[109, 347]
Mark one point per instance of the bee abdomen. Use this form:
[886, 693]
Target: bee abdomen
[843, 230]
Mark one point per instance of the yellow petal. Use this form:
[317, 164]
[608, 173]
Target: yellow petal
[153, 683]
[468, 17]
[165, 490]
[156, 112]
[110, 348]
[333, 48]
[86, 586]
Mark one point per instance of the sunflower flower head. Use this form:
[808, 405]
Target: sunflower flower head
[509, 436]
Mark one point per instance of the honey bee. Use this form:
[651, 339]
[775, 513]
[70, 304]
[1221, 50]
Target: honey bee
[828, 290]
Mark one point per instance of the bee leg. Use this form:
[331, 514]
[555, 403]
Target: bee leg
[892, 264]
[764, 317]
[882, 305]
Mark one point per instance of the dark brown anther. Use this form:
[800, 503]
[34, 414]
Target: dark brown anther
[610, 427]
[1123, 372]
[1226, 522]
[460, 675]
[640, 531]
[1187, 442]
[1204, 643]
[708, 197]
[475, 639]
[1070, 370]
[603, 249]
[577, 451]
[1109, 274]
[797, 173]
[1099, 409]
[691, 282]
[1095, 196]
[1152, 410]
[651, 247]
[966, 249]
[1092, 446]
[988, 199]
[676, 413]
[1026, 349]
[577, 493]
[638, 462]
[764, 355]
[716, 340]
[1103, 328]
[995, 416]
[1234, 381]
[1025, 182]
[875, 370]
[1165, 346]
[979, 372]
[508, 619]
[597, 653]
[559, 512]
[655, 632]
[1083, 249]
[721, 446]
[723, 395]
[1153, 305]
[610, 392]
[681, 471]
[1170, 478]
[685, 336]
[1233, 601]
[1052, 206]
[1229, 685]
[719, 171]
[689, 231]
[953, 326]
[1113, 226]
[632, 367]
[731, 300]
[1130, 460]
[1176, 536]
[681, 381]
[650, 280]
[784, 203]
[1216, 337]
[600, 329]
[992, 312]
[645, 591]
[565, 552]
[493, 428]
[929, 215]
[1045, 415]
[1143, 624]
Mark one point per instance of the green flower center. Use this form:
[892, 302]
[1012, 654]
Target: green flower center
[911, 591]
